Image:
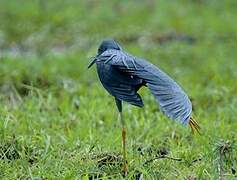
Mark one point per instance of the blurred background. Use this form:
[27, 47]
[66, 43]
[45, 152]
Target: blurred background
[50, 104]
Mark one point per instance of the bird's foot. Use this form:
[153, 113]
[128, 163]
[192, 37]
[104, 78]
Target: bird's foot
[125, 171]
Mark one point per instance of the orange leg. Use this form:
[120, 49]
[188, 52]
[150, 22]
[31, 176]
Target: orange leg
[125, 165]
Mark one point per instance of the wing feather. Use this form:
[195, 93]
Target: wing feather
[172, 100]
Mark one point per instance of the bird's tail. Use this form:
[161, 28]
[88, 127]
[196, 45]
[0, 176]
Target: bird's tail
[194, 125]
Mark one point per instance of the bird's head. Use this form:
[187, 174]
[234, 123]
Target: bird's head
[104, 46]
[108, 44]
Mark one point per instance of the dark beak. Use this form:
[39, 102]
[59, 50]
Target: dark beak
[92, 62]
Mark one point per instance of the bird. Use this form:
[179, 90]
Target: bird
[123, 74]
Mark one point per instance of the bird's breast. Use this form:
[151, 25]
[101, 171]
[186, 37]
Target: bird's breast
[112, 78]
[106, 73]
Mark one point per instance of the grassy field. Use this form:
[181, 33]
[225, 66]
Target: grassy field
[57, 121]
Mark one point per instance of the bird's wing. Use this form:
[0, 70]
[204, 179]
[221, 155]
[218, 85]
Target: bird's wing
[172, 99]
[118, 84]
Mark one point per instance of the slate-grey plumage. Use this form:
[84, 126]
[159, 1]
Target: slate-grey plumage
[122, 75]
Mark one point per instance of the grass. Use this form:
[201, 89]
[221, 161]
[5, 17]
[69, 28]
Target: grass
[56, 120]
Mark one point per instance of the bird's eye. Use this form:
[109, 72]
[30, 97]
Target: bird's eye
[101, 49]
